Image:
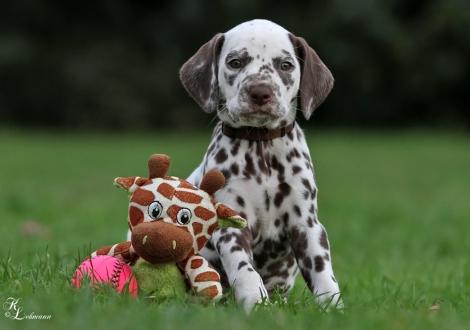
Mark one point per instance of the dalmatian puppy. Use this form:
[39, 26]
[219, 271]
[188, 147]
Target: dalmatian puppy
[255, 77]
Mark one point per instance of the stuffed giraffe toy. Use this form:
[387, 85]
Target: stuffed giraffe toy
[171, 220]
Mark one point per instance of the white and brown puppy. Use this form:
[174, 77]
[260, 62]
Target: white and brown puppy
[256, 76]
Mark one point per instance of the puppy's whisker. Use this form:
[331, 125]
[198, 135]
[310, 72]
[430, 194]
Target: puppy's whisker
[221, 109]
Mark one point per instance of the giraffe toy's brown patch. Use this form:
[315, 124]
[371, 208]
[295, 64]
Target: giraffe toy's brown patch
[201, 241]
[104, 250]
[187, 185]
[143, 197]
[196, 263]
[212, 228]
[125, 183]
[197, 228]
[188, 197]
[166, 190]
[207, 276]
[135, 215]
[172, 211]
[211, 291]
[142, 181]
[124, 251]
[224, 211]
[123, 247]
[203, 213]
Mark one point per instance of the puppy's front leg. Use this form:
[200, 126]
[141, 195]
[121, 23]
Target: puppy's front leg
[235, 253]
[312, 251]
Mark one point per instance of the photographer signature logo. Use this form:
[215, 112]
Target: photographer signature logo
[14, 310]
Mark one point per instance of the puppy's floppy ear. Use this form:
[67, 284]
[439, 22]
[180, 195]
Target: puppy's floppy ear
[199, 74]
[316, 79]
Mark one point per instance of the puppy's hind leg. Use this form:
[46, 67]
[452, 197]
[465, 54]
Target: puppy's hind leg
[312, 251]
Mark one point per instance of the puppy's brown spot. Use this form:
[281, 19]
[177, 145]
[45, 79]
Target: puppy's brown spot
[221, 156]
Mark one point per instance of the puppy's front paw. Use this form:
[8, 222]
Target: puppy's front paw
[330, 301]
[249, 290]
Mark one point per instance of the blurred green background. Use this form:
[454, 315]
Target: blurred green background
[114, 64]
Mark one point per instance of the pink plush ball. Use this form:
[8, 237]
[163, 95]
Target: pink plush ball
[106, 269]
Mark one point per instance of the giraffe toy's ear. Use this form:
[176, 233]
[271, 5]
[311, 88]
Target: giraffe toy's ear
[212, 181]
[228, 217]
[130, 183]
[158, 165]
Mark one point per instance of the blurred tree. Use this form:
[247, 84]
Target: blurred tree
[114, 64]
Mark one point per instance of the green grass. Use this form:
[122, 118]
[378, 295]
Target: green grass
[396, 206]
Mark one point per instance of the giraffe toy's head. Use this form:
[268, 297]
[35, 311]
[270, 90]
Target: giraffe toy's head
[169, 218]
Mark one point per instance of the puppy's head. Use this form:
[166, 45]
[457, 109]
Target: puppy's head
[257, 74]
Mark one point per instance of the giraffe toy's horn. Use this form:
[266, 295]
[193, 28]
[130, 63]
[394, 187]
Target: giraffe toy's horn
[158, 165]
[212, 181]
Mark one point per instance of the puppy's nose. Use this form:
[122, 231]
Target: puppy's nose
[260, 94]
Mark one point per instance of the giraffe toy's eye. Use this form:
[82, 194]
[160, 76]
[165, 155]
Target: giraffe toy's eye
[184, 216]
[155, 210]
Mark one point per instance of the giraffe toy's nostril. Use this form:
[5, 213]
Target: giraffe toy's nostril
[174, 245]
[144, 240]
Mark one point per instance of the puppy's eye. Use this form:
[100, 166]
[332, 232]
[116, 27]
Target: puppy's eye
[286, 66]
[235, 63]
[184, 216]
[155, 210]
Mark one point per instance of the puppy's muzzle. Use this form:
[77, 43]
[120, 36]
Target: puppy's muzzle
[260, 94]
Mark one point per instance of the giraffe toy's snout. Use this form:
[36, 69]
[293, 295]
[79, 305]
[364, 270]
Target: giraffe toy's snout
[160, 242]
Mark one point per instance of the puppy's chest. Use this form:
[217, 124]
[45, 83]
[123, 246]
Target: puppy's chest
[269, 180]
[265, 162]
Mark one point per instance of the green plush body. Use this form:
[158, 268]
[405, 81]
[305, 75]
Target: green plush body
[159, 282]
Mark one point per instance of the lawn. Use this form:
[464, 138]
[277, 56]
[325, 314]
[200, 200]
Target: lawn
[396, 206]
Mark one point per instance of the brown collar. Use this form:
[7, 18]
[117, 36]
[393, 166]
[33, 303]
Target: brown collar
[256, 133]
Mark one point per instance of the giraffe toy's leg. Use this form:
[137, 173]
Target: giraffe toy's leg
[203, 279]
[123, 251]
